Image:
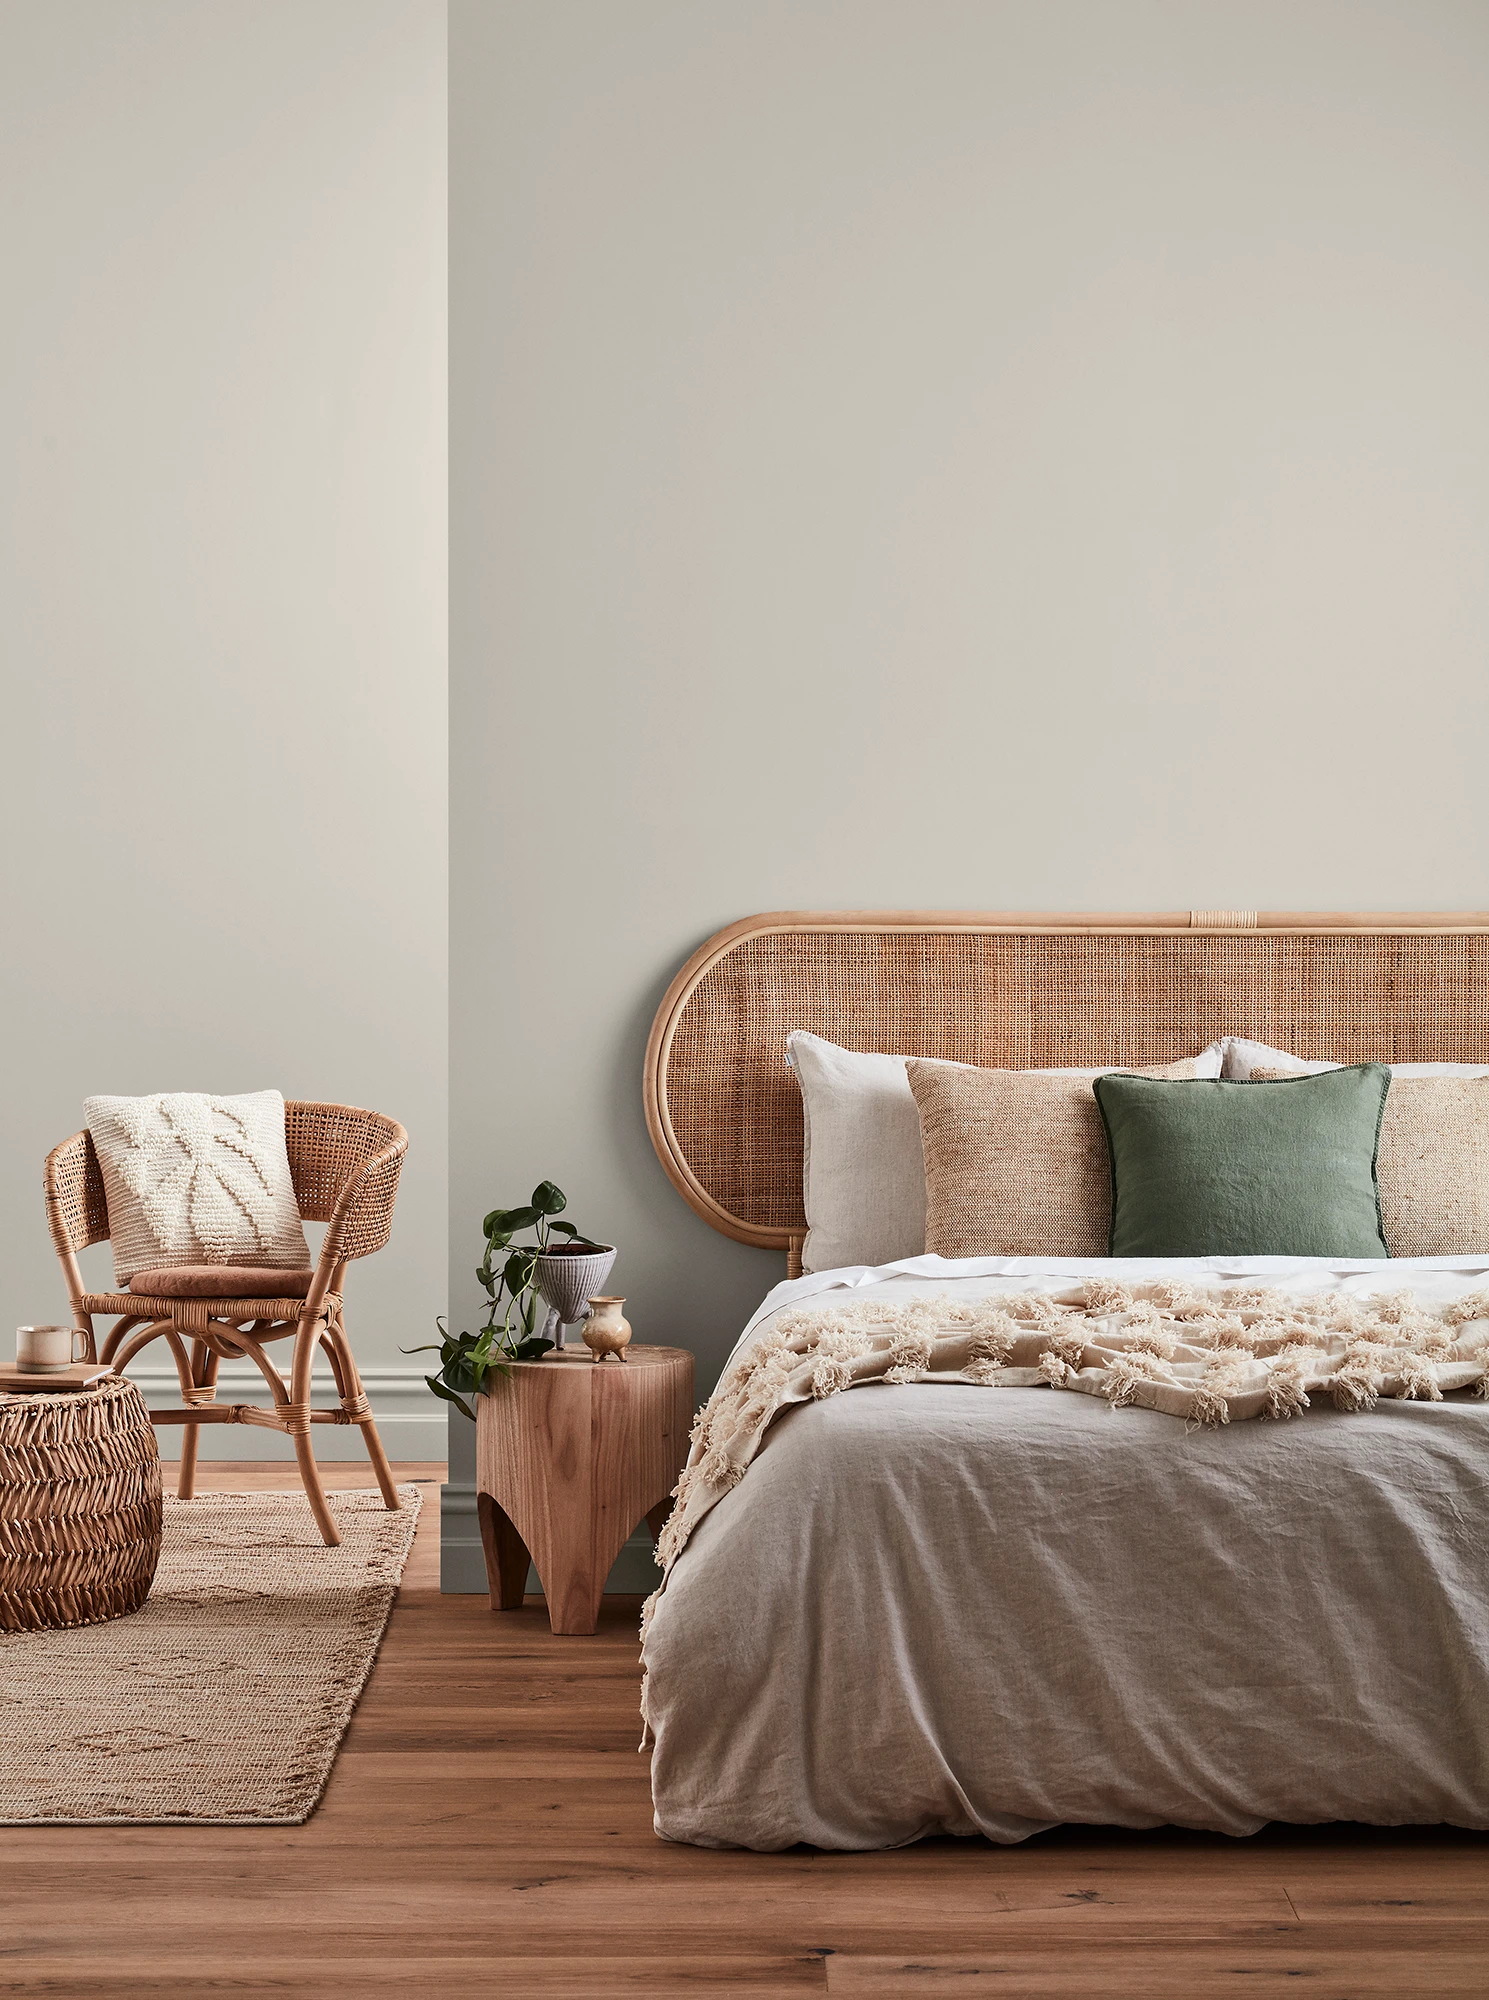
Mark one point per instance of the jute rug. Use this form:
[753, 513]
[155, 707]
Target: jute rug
[225, 1698]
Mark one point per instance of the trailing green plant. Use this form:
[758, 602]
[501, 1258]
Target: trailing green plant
[467, 1361]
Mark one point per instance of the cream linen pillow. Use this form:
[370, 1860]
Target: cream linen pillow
[863, 1170]
[1016, 1161]
[194, 1179]
[1432, 1162]
[862, 1175]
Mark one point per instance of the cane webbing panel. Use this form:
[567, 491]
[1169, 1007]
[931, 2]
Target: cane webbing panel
[724, 1107]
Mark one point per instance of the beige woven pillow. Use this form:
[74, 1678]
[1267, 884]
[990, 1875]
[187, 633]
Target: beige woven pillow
[1016, 1162]
[1432, 1163]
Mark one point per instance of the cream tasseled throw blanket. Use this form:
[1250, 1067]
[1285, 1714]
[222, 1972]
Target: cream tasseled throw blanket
[1203, 1357]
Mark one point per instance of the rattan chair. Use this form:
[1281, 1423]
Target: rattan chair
[345, 1165]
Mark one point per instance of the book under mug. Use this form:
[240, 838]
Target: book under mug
[51, 1381]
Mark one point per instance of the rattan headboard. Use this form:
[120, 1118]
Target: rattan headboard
[1021, 992]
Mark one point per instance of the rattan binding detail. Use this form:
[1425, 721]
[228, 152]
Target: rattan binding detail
[1022, 992]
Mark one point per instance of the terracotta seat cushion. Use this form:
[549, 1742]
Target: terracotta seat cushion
[220, 1281]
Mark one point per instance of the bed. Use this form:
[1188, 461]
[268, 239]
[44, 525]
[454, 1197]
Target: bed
[926, 1608]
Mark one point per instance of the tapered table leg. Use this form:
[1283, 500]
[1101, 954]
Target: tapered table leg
[506, 1555]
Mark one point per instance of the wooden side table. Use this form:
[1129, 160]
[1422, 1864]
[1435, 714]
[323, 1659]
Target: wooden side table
[571, 1454]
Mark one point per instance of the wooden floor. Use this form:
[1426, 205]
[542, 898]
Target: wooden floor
[488, 1831]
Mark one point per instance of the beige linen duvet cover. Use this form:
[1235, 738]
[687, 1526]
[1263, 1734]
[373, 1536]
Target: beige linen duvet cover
[938, 1607]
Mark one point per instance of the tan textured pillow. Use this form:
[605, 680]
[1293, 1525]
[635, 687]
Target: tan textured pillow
[1432, 1163]
[1016, 1162]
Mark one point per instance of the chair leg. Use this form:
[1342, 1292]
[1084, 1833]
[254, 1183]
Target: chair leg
[380, 1465]
[299, 1428]
[349, 1382]
[186, 1477]
[203, 1374]
[315, 1493]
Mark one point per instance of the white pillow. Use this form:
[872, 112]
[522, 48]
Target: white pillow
[863, 1170]
[193, 1179]
[1242, 1057]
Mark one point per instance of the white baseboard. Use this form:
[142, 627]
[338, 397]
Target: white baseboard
[410, 1420]
[462, 1567]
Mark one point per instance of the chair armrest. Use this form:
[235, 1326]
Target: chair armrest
[362, 1220]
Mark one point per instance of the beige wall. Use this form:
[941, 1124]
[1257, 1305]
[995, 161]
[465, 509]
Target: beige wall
[1016, 455]
[1022, 455]
[222, 548]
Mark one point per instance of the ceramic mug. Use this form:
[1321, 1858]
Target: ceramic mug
[39, 1349]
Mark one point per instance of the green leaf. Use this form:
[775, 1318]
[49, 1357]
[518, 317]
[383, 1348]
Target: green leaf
[503, 1224]
[449, 1396]
[529, 1350]
[446, 1344]
[548, 1199]
[562, 1229]
[518, 1270]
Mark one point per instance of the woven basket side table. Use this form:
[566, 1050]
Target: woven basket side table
[80, 1511]
[571, 1454]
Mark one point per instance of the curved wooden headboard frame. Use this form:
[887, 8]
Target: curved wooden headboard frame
[701, 1114]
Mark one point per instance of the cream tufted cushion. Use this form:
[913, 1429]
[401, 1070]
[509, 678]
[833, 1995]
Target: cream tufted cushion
[193, 1179]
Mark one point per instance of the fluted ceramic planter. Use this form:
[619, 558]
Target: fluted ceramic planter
[567, 1279]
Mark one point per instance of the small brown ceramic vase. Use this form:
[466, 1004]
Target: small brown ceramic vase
[607, 1330]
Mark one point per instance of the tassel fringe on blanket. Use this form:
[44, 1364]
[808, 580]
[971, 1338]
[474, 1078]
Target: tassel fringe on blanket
[1207, 1358]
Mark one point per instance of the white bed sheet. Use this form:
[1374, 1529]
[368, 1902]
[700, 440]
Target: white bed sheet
[938, 1608]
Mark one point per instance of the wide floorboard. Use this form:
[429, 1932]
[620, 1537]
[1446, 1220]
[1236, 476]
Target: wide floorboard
[487, 1831]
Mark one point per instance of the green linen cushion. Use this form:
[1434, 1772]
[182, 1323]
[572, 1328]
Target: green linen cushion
[1232, 1169]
